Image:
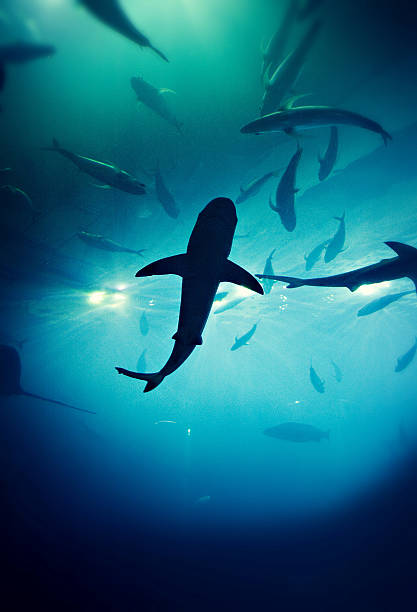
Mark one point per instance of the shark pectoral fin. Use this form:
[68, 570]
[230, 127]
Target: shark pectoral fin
[402, 250]
[177, 264]
[194, 341]
[232, 273]
[414, 279]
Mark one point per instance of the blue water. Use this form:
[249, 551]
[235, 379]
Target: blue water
[175, 499]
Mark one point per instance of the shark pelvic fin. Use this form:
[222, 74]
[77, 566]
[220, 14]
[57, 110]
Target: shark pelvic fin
[232, 273]
[177, 264]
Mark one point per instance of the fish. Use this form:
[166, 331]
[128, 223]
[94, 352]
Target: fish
[164, 196]
[285, 193]
[229, 305]
[201, 501]
[108, 174]
[204, 265]
[315, 379]
[155, 99]
[243, 340]
[290, 119]
[5, 170]
[381, 302]
[313, 257]
[337, 372]
[296, 432]
[101, 242]
[286, 75]
[407, 358]
[336, 244]
[143, 324]
[402, 266]
[275, 48]
[10, 372]
[252, 188]
[141, 362]
[20, 53]
[13, 196]
[328, 160]
[111, 14]
[268, 270]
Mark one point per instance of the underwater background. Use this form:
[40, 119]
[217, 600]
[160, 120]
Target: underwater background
[176, 499]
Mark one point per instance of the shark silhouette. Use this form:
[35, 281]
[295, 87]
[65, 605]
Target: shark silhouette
[202, 268]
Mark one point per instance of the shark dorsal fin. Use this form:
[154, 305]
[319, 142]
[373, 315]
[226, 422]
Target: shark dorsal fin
[402, 250]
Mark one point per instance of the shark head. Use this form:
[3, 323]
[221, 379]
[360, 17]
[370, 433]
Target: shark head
[222, 210]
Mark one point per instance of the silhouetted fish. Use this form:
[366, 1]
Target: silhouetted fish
[141, 363]
[335, 245]
[253, 187]
[164, 196]
[202, 268]
[337, 372]
[268, 269]
[328, 160]
[315, 255]
[155, 99]
[316, 381]
[382, 302]
[243, 340]
[143, 324]
[111, 13]
[285, 193]
[274, 50]
[406, 359]
[105, 244]
[10, 371]
[296, 432]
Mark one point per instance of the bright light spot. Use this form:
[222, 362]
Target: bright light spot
[188, 432]
[119, 297]
[371, 289]
[121, 287]
[151, 303]
[96, 297]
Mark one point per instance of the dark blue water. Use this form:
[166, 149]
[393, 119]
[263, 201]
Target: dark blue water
[175, 499]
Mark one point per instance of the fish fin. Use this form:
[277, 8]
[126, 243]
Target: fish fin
[319, 158]
[232, 273]
[289, 103]
[292, 280]
[271, 255]
[164, 57]
[271, 205]
[164, 90]
[342, 218]
[414, 279]
[153, 380]
[177, 264]
[403, 250]
[386, 137]
[197, 341]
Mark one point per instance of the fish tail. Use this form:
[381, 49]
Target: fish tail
[386, 137]
[153, 380]
[158, 52]
[342, 218]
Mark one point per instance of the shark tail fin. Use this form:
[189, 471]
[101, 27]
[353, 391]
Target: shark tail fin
[342, 218]
[153, 380]
[158, 52]
[386, 137]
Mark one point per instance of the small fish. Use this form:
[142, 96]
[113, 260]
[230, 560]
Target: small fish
[164, 196]
[144, 325]
[405, 265]
[253, 187]
[268, 270]
[141, 362]
[105, 244]
[13, 196]
[316, 381]
[244, 340]
[311, 117]
[313, 257]
[337, 372]
[382, 302]
[10, 371]
[107, 174]
[111, 13]
[406, 359]
[328, 160]
[155, 99]
[336, 244]
[285, 193]
[296, 432]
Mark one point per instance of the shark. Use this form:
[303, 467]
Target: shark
[243, 340]
[402, 266]
[202, 267]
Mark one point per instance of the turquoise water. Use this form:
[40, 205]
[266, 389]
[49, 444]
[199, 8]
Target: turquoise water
[191, 457]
